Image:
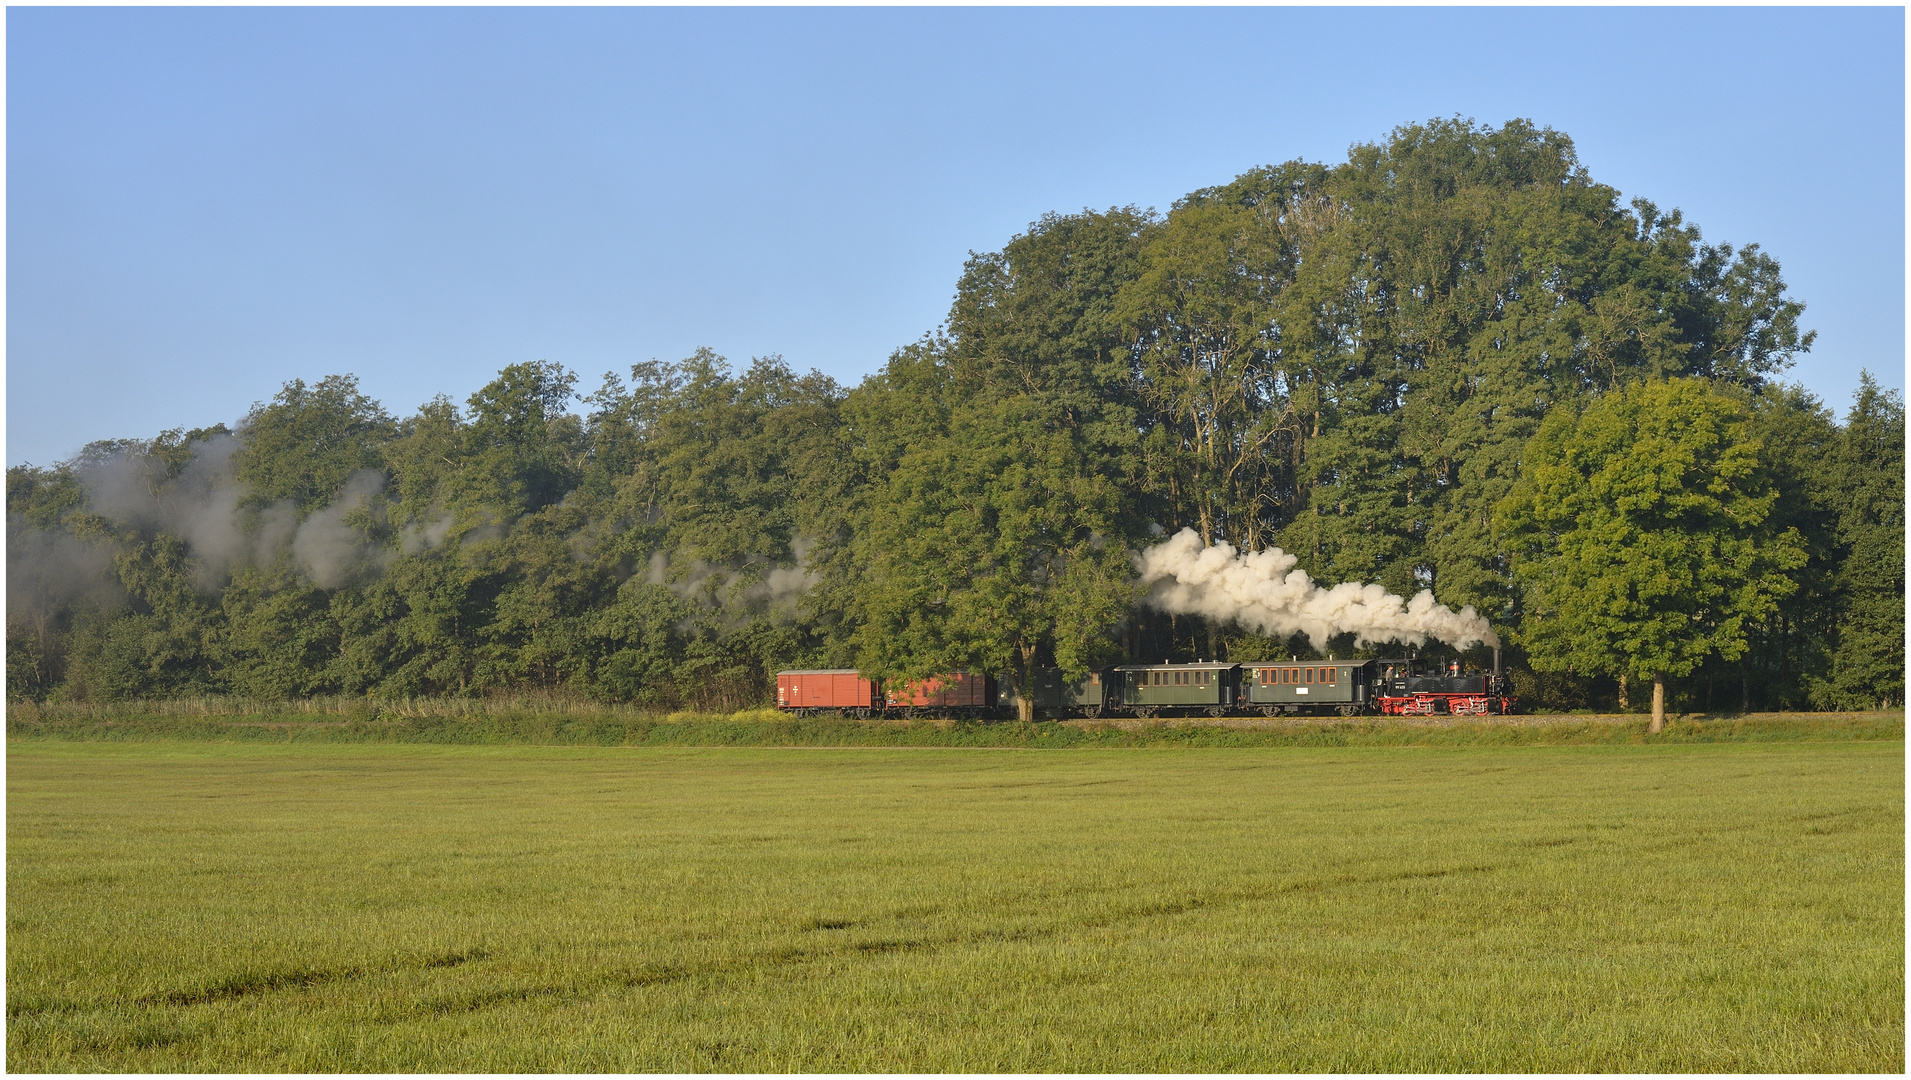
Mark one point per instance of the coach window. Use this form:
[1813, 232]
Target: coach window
[1310, 674]
[1328, 674]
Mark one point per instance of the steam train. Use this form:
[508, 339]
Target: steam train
[1397, 687]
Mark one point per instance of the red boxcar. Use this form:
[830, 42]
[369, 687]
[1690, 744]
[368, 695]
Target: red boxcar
[843, 690]
[963, 691]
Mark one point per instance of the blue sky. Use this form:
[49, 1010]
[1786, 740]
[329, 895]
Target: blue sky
[205, 203]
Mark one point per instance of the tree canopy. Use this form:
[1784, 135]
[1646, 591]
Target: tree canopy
[1643, 535]
[1377, 364]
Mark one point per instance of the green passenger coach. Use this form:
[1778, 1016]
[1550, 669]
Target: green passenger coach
[1056, 696]
[1344, 686]
[1151, 689]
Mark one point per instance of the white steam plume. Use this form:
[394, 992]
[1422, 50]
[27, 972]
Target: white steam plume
[777, 592]
[1263, 591]
[47, 569]
[328, 547]
[201, 507]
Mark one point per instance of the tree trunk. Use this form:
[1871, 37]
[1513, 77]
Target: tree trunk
[1658, 703]
[1745, 687]
[1025, 693]
[1624, 705]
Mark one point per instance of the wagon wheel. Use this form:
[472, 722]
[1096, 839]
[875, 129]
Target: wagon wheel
[1146, 712]
[1348, 710]
[862, 714]
[1270, 710]
[1217, 710]
[1092, 711]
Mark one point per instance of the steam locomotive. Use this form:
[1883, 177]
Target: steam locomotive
[1397, 687]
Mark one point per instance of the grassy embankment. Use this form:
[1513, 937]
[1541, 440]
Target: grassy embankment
[192, 905]
[550, 722]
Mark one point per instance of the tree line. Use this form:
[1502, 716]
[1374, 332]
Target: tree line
[1453, 362]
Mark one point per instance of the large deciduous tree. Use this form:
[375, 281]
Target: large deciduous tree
[995, 530]
[1642, 535]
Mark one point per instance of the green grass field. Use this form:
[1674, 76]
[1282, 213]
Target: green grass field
[297, 906]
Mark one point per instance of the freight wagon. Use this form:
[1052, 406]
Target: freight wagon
[961, 694]
[806, 693]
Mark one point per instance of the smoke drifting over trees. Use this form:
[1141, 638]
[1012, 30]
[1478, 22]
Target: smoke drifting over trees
[1263, 591]
[1319, 382]
[207, 508]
